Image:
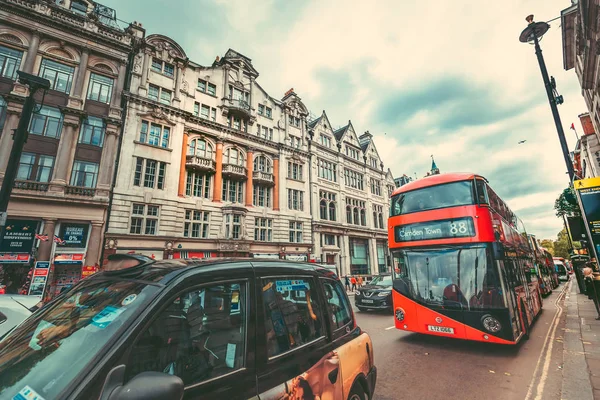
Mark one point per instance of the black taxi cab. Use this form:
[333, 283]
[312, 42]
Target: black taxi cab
[221, 329]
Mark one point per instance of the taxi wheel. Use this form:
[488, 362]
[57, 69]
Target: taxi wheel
[357, 393]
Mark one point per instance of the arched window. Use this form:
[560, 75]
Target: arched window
[363, 217]
[233, 156]
[262, 163]
[349, 214]
[381, 221]
[355, 213]
[332, 211]
[323, 209]
[200, 148]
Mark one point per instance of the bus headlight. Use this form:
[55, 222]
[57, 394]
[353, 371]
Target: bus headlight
[491, 324]
[384, 294]
[399, 314]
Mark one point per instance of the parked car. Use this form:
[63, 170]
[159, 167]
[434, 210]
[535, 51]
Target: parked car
[14, 309]
[377, 295]
[220, 329]
[562, 270]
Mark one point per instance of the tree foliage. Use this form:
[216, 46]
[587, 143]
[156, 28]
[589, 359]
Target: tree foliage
[562, 247]
[548, 245]
[566, 204]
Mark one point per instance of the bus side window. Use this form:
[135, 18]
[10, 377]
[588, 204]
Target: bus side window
[482, 196]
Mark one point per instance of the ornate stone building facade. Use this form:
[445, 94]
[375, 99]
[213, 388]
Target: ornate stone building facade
[211, 165]
[66, 170]
[350, 192]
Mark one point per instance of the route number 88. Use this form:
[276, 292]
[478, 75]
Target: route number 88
[460, 227]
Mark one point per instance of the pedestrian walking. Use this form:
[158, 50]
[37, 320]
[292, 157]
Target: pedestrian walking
[360, 281]
[588, 276]
[347, 281]
[353, 281]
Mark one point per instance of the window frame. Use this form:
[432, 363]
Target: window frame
[93, 81]
[5, 63]
[314, 281]
[144, 217]
[94, 129]
[56, 71]
[75, 173]
[341, 331]
[178, 292]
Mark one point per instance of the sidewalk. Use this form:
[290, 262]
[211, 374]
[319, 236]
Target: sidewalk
[581, 353]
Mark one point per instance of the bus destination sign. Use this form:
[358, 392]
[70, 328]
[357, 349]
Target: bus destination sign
[442, 229]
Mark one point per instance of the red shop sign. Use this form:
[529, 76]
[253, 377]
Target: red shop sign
[14, 258]
[40, 272]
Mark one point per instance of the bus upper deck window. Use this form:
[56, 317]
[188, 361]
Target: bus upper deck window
[482, 197]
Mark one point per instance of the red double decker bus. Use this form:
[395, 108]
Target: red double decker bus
[463, 265]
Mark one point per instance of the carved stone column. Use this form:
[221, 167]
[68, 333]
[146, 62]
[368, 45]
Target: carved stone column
[276, 181]
[32, 52]
[109, 151]
[118, 89]
[79, 89]
[145, 67]
[13, 112]
[218, 183]
[178, 77]
[66, 150]
[249, 171]
[45, 248]
[92, 256]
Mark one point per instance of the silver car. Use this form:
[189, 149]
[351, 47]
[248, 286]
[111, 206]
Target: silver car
[14, 309]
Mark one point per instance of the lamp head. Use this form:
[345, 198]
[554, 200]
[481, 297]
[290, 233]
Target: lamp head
[33, 80]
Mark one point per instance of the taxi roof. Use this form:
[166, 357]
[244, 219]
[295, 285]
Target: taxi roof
[436, 180]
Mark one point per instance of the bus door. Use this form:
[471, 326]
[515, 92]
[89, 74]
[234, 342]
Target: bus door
[520, 265]
[507, 282]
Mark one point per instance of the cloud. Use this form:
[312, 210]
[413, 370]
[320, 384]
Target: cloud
[444, 78]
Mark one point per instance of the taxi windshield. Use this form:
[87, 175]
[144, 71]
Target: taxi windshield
[48, 350]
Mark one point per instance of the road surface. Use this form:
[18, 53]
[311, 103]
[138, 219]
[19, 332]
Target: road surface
[413, 366]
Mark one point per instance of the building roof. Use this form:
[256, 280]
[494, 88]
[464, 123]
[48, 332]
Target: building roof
[314, 122]
[436, 180]
[339, 133]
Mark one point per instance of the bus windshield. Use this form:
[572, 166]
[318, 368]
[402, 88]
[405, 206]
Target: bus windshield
[450, 277]
[433, 197]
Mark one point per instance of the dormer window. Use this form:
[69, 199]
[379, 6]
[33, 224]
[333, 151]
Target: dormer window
[79, 7]
[295, 121]
[163, 67]
[325, 140]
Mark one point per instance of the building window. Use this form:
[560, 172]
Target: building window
[328, 240]
[200, 148]
[376, 187]
[207, 87]
[295, 142]
[327, 205]
[359, 256]
[354, 179]
[233, 156]
[153, 92]
[59, 75]
[263, 229]
[165, 96]
[381, 250]
[265, 111]
[325, 140]
[295, 232]
[79, 7]
[268, 112]
[295, 199]
[264, 132]
[100, 88]
[84, 174]
[198, 185]
[35, 167]
[356, 213]
[294, 121]
[157, 93]
[144, 219]
[233, 226]
[2, 113]
[10, 62]
[92, 131]
[149, 173]
[294, 171]
[378, 216]
[261, 196]
[196, 109]
[163, 67]
[233, 191]
[374, 162]
[327, 170]
[155, 134]
[46, 122]
[352, 152]
[262, 164]
[204, 111]
[261, 109]
[196, 224]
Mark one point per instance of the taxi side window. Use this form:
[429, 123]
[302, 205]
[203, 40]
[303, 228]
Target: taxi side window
[292, 315]
[337, 303]
[198, 336]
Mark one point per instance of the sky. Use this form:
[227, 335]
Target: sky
[430, 77]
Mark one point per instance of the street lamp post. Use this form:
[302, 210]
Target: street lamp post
[35, 83]
[533, 32]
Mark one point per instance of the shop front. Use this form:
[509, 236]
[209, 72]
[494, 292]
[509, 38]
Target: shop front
[359, 256]
[16, 260]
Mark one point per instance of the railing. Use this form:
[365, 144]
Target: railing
[80, 191]
[199, 163]
[31, 185]
[234, 170]
[262, 176]
[241, 104]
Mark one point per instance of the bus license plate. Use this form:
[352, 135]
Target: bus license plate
[367, 301]
[442, 329]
